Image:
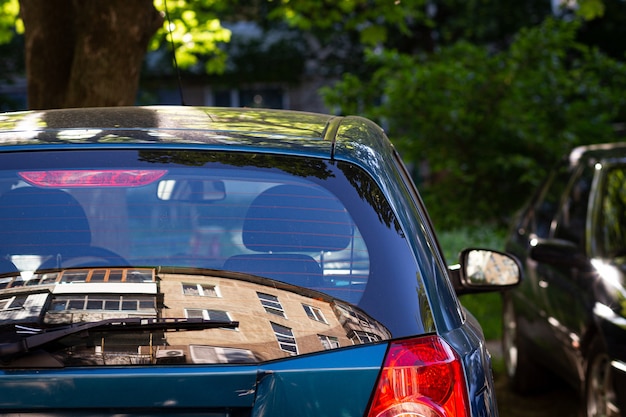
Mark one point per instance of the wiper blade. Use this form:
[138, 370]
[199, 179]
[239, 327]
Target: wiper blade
[33, 341]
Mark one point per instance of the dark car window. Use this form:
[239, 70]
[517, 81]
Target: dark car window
[572, 217]
[611, 230]
[544, 210]
[303, 222]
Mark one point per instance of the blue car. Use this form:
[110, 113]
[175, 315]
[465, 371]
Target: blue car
[228, 262]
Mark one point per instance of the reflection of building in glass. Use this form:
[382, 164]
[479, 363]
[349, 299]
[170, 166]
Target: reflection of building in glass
[73, 296]
[273, 321]
[500, 269]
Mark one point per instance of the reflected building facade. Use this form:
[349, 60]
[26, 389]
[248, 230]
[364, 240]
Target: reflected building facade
[274, 320]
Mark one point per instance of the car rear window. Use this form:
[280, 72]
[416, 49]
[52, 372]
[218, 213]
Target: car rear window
[302, 221]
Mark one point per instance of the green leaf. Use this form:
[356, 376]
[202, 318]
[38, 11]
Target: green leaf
[373, 35]
[590, 9]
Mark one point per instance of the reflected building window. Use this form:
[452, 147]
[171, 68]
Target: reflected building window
[202, 290]
[216, 354]
[286, 339]
[328, 342]
[314, 313]
[206, 314]
[13, 302]
[359, 337]
[271, 304]
[103, 302]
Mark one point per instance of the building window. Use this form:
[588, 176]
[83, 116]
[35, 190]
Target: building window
[206, 314]
[328, 342]
[314, 313]
[103, 302]
[265, 97]
[202, 290]
[271, 304]
[285, 338]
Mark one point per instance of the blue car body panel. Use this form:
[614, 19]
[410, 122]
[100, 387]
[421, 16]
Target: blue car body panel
[310, 385]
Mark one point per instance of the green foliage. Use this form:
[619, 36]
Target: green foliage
[371, 18]
[487, 21]
[489, 124]
[591, 9]
[486, 235]
[487, 308]
[9, 22]
[196, 33]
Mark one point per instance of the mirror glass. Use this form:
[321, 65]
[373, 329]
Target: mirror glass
[485, 267]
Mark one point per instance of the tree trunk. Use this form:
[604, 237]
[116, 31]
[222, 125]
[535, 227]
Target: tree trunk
[85, 53]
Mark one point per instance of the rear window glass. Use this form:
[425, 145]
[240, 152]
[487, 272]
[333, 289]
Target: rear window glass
[300, 221]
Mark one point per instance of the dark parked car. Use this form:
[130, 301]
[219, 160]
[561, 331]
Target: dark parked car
[568, 318]
[227, 262]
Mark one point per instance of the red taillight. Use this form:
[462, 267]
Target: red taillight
[420, 377]
[93, 177]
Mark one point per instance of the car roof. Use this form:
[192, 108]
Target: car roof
[597, 152]
[245, 129]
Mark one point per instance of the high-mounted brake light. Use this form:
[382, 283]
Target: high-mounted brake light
[421, 377]
[93, 177]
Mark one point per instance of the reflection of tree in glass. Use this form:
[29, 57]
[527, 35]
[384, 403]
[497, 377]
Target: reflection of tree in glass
[234, 121]
[302, 167]
[88, 123]
[362, 140]
[369, 192]
[621, 299]
[614, 213]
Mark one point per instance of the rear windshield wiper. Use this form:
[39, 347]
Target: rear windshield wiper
[9, 350]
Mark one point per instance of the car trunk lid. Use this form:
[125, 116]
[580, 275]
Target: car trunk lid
[337, 382]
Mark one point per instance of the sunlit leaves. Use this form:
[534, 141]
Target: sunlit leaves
[590, 9]
[9, 20]
[195, 32]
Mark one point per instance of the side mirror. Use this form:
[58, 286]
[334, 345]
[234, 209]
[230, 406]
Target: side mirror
[557, 252]
[484, 270]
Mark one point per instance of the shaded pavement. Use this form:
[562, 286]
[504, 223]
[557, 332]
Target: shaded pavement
[559, 400]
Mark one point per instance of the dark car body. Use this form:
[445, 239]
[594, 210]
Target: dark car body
[568, 316]
[227, 262]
